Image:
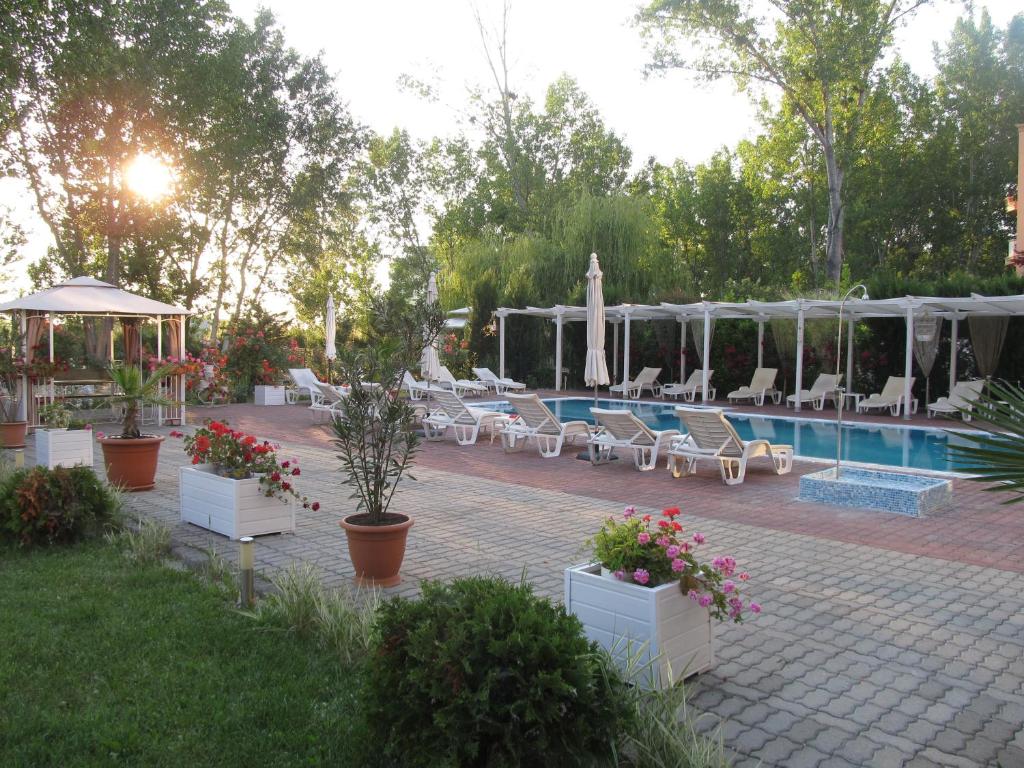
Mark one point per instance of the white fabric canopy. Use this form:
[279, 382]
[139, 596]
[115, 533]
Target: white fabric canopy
[330, 323]
[596, 371]
[430, 366]
[88, 296]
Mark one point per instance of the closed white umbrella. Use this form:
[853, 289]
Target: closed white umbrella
[430, 365]
[330, 349]
[596, 371]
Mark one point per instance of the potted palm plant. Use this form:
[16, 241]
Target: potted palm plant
[375, 437]
[131, 457]
[13, 428]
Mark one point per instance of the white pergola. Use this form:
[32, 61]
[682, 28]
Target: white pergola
[800, 310]
[88, 297]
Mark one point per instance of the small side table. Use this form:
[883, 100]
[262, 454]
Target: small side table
[856, 396]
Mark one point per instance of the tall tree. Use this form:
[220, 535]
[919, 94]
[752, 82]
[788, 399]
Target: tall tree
[823, 57]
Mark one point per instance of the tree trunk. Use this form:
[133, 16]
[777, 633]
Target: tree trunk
[836, 211]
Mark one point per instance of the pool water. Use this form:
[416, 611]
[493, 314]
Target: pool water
[910, 447]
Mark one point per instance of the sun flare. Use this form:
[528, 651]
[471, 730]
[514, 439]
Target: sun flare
[149, 177]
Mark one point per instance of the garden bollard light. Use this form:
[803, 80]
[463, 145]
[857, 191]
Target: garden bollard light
[246, 565]
[19, 458]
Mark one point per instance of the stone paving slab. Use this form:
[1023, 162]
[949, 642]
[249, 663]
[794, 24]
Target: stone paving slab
[864, 656]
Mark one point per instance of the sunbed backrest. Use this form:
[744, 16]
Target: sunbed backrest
[303, 377]
[763, 378]
[624, 425]
[894, 387]
[453, 407]
[710, 431]
[535, 414]
[826, 382]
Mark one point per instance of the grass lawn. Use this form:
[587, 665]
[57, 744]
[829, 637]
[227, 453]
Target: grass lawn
[104, 662]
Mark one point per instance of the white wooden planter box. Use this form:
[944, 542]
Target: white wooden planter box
[660, 624]
[269, 395]
[64, 447]
[235, 508]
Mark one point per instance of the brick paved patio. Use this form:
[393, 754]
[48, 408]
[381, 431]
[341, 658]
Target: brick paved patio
[885, 641]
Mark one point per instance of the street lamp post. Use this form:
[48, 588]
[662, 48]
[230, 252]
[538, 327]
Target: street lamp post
[841, 391]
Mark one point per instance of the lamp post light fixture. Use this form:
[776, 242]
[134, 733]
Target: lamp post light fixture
[841, 391]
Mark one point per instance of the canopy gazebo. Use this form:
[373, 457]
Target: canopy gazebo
[975, 308]
[91, 298]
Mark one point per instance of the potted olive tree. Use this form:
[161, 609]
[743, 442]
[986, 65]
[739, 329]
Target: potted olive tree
[375, 437]
[131, 456]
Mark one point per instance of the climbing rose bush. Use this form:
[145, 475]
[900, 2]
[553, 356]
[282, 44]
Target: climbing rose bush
[648, 551]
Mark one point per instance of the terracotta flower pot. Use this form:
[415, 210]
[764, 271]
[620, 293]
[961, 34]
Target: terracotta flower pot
[131, 462]
[377, 550]
[12, 434]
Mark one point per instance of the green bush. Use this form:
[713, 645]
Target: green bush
[481, 672]
[53, 506]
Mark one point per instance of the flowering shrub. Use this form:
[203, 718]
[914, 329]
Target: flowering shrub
[651, 552]
[455, 355]
[238, 455]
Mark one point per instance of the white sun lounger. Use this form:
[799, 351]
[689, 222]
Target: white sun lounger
[488, 378]
[825, 387]
[461, 387]
[466, 421]
[536, 422]
[961, 400]
[691, 388]
[646, 379]
[711, 436]
[331, 399]
[416, 389]
[890, 397]
[622, 429]
[762, 383]
[304, 383]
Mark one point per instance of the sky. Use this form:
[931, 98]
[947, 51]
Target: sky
[367, 46]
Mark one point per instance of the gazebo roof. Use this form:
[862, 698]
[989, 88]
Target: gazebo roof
[960, 307]
[88, 296]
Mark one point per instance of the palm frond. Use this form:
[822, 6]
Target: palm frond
[997, 456]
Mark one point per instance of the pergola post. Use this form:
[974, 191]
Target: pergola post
[625, 352]
[682, 350]
[707, 355]
[908, 366]
[760, 343]
[799, 356]
[501, 346]
[849, 353]
[182, 352]
[952, 352]
[558, 352]
[25, 393]
[159, 337]
[615, 352]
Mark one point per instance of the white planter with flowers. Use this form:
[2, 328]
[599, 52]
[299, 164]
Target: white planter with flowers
[235, 508]
[64, 447]
[269, 395]
[633, 603]
[671, 633]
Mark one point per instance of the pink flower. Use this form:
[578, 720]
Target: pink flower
[698, 538]
[744, 576]
[619, 574]
[643, 537]
[628, 512]
[100, 435]
[88, 427]
[663, 541]
[728, 586]
[704, 601]
[672, 551]
[678, 565]
[640, 576]
[755, 608]
[693, 594]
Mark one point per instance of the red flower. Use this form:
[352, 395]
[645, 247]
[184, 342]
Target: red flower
[195, 459]
[663, 524]
[286, 486]
[275, 477]
[646, 518]
[295, 472]
[249, 440]
[676, 526]
[202, 443]
[671, 512]
[285, 464]
[316, 506]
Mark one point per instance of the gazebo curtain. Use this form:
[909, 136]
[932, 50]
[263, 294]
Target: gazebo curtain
[132, 340]
[34, 327]
[927, 330]
[174, 337]
[697, 328]
[987, 337]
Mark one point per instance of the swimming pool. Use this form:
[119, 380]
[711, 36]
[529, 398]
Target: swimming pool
[910, 447]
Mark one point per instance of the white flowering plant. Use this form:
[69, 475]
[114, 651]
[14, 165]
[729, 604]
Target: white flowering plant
[650, 552]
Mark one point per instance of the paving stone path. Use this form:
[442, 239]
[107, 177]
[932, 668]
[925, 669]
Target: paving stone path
[871, 651]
